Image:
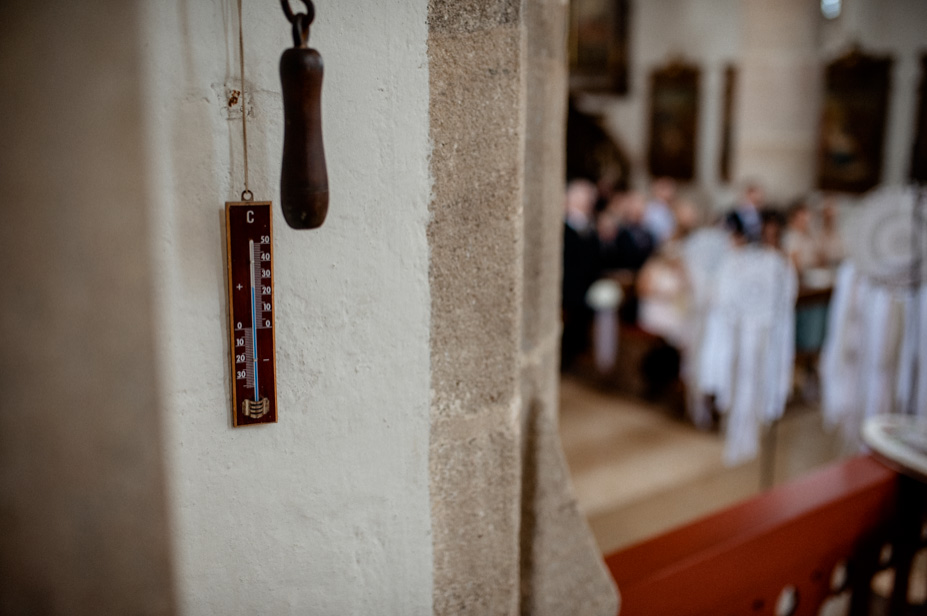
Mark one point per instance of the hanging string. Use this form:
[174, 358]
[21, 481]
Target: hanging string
[246, 194]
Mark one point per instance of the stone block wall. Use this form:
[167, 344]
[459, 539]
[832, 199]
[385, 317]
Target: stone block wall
[508, 537]
[476, 105]
[561, 568]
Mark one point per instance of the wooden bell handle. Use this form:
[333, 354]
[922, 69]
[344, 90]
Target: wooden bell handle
[304, 177]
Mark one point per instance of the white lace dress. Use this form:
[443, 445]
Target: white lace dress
[745, 359]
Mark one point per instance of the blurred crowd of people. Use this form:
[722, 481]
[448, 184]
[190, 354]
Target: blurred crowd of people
[636, 240]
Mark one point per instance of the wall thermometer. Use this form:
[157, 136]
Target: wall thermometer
[251, 312]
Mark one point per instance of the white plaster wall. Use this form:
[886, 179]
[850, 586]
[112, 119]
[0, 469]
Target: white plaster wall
[328, 511]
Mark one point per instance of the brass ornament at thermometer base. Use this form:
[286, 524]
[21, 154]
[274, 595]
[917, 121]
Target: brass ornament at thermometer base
[304, 177]
[249, 245]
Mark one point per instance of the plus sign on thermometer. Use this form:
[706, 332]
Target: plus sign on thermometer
[251, 312]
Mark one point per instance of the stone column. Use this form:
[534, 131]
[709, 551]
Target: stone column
[562, 571]
[507, 534]
[777, 97]
[477, 128]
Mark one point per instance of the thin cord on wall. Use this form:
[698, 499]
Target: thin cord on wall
[244, 110]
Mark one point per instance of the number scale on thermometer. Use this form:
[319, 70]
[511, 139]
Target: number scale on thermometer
[251, 312]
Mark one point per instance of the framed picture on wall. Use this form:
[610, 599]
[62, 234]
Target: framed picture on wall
[727, 123]
[852, 128]
[674, 99]
[598, 45]
[919, 155]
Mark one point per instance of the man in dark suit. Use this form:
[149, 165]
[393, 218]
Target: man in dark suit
[744, 218]
[581, 267]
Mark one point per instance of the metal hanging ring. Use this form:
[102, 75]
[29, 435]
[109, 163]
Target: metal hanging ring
[301, 30]
[249, 197]
[291, 16]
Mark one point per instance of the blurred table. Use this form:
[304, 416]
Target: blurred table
[900, 442]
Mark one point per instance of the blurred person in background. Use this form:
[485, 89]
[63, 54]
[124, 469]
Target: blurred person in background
[772, 226]
[633, 243]
[659, 216]
[607, 223]
[744, 218]
[628, 248]
[799, 242]
[805, 250]
[688, 219]
[581, 267]
[735, 228]
[664, 304]
[830, 240]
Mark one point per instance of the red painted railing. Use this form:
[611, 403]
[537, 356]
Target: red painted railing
[740, 560]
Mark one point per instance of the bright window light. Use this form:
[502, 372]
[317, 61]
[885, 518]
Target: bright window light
[830, 9]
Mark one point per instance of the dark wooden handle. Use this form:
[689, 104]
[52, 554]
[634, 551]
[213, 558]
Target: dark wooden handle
[304, 178]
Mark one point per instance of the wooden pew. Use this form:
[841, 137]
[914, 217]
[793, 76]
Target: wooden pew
[738, 561]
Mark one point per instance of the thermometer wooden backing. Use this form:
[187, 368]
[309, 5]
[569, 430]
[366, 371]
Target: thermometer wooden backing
[251, 312]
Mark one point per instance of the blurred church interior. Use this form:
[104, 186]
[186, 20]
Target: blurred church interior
[618, 307]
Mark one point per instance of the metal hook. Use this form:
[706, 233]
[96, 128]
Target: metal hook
[300, 21]
[301, 31]
[291, 16]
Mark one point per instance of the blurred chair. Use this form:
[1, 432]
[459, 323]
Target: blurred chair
[702, 254]
[868, 364]
[874, 358]
[746, 353]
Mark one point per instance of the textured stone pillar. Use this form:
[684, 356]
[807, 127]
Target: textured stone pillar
[561, 567]
[507, 534]
[777, 97]
[475, 60]
[83, 520]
